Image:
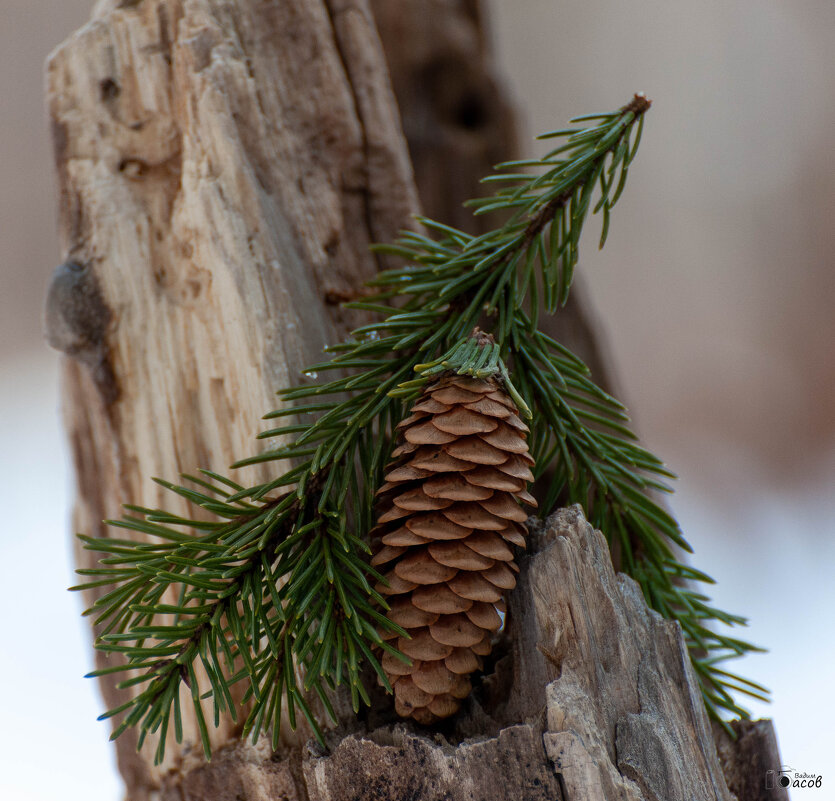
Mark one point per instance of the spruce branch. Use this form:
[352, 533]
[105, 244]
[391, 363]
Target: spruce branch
[276, 591]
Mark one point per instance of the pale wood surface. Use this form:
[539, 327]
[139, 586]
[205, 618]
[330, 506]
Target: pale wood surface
[223, 168]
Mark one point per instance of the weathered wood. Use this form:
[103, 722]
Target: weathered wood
[456, 115]
[747, 759]
[625, 713]
[599, 701]
[398, 764]
[223, 168]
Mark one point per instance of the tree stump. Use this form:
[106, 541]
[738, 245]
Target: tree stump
[223, 166]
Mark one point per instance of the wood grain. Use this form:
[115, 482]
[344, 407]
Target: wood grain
[223, 168]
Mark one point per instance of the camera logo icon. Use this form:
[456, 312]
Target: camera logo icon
[778, 778]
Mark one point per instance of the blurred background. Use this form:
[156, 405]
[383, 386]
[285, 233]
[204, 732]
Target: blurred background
[716, 292]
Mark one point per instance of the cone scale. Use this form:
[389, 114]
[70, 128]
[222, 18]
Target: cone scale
[449, 516]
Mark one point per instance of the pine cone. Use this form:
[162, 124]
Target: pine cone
[448, 514]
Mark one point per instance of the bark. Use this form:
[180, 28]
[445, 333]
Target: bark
[223, 167]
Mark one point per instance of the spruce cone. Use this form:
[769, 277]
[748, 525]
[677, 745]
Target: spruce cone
[449, 512]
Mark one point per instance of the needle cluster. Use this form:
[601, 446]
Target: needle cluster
[272, 603]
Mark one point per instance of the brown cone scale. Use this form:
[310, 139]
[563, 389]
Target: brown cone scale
[449, 515]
